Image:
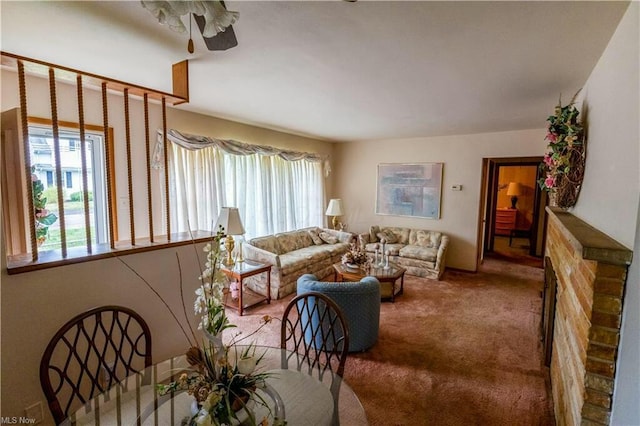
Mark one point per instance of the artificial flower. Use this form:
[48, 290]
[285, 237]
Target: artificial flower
[564, 134]
[550, 181]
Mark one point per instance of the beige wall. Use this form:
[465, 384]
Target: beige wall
[356, 174]
[38, 105]
[609, 199]
[34, 305]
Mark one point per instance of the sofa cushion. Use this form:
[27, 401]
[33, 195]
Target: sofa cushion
[393, 249]
[387, 235]
[294, 261]
[371, 247]
[337, 249]
[402, 234]
[427, 239]
[268, 243]
[418, 252]
[313, 233]
[290, 241]
[328, 238]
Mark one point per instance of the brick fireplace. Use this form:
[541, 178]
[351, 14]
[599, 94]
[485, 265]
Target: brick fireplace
[590, 269]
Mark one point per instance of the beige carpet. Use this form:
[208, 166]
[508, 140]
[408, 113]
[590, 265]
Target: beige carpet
[461, 351]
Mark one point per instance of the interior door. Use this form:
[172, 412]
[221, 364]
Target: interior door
[491, 190]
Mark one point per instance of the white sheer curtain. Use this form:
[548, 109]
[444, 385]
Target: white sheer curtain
[197, 197]
[272, 194]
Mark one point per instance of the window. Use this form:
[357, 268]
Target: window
[58, 189]
[44, 167]
[272, 194]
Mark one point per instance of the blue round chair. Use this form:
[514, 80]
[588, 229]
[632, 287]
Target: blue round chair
[360, 305]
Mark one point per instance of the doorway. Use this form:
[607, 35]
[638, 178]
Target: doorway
[512, 210]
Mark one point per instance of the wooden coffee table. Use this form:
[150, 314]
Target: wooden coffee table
[387, 277]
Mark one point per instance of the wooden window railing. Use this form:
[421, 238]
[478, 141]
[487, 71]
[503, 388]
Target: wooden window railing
[19, 214]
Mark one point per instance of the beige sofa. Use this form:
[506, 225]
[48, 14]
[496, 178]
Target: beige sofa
[293, 254]
[419, 251]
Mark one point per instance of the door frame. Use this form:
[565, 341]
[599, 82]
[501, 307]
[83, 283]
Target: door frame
[488, 204]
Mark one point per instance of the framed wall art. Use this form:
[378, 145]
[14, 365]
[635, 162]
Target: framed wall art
[409, 189]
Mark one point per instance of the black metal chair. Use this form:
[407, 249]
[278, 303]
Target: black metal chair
[90, 353]
[315, 334]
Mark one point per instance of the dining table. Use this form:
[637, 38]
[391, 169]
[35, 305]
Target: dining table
[309, 397]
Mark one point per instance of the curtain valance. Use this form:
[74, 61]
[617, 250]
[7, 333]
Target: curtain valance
[195, 142]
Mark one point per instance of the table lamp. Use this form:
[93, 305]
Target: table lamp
[335, 210]
[514, 190]
[229, 219]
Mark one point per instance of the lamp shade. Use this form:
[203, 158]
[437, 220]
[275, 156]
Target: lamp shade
[514, 188]
[229, 219]
[335, 207]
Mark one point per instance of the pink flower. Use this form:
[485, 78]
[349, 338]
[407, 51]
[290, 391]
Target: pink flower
[42, 213]
[550, 181]
[548, 160]
[552, 137]
[34, 178]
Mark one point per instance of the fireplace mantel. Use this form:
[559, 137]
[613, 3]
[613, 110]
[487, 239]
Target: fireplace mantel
[591, 270]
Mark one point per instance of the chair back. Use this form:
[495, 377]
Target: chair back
[314, 327]
[90, 353]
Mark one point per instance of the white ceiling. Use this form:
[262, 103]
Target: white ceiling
[342, 71]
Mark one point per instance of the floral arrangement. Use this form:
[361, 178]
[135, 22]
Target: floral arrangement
[43, 218]
[209, 303]
[222, 378]
[355, 256]
[222, 381]
[563, 163]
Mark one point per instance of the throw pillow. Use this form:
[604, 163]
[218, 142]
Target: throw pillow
[315, 237]
[389, 237]
[373, 233]
[328, 238]
[428, 239]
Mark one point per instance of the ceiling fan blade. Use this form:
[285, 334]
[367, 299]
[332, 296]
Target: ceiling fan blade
[221, 41]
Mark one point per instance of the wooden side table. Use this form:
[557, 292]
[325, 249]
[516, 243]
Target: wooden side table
[248, 298]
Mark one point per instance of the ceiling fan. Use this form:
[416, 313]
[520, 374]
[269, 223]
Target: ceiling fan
[212, 17]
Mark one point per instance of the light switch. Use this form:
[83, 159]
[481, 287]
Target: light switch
[456, 187]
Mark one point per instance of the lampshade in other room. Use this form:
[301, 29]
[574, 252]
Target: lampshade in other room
[514, 189]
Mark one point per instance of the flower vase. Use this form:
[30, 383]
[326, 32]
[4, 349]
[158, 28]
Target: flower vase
[553, 198]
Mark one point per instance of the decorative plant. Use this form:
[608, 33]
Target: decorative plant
[563, 164]
[209, 303]
[222, 378]
[355, 256]
[43, 218]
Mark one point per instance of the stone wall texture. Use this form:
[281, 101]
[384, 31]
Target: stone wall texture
[591, 272]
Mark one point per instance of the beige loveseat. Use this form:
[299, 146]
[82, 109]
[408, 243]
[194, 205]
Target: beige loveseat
[419, 251]
[293, 254]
